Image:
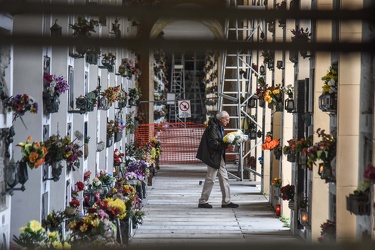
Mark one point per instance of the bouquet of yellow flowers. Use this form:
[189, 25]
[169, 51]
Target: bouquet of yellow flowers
[234, 138]
[33, 153]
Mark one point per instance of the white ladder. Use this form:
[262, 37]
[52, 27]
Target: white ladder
[236, 86]
[177, 86]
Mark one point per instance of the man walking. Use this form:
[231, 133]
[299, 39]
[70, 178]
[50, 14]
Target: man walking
[211, 151]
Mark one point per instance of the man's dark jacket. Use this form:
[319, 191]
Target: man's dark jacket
[212, 147]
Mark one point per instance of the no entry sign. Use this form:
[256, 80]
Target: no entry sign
[184, 109]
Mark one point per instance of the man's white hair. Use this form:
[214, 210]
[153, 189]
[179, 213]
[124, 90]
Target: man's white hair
[221, 114]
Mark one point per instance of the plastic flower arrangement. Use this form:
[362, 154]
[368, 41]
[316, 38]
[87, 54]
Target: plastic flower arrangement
[300, 34]
[53, 221]
[328, 231]
[273, 95]
[303, 144]
[115, 126]
[369, 173]
[130, 123]
[137, 170]
[88, 228]
[290, 148]
[270, 143]
[56, 147]
[288, 90]
[135, 94]
[73, 152]
[34, 236]
[112, 94]
[55, 85]
[20, 104]
[105, 178]
[118, 157]
[115, 208]
[74, 203]
[330, 81]
[234, 138]
[287, 192]
[324, 150]
[83, 26]
[155, 148]
[276, 182]
[33, 152]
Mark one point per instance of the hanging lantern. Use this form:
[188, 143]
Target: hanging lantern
[278, 210]
[270, 65]
[262, 70]
[289, 104]
[280, 64]
[320, 169]
[56, 30]
[303, 216]
[252, 102]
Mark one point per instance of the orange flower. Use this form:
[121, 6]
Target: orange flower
[39, 163]
[33, 157]
[268, 138]
[28, 139]
[36, 145]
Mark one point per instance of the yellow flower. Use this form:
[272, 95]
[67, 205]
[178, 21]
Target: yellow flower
[326, 88]
[276, 91]
[83, 228]
[67, 245]
[95, 223]
[57, 245]
[268, 99]
[72, 224]
[52, 234]
[35, 226]
[22, 229]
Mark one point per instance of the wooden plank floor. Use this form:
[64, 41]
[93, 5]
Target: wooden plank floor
[172, 216]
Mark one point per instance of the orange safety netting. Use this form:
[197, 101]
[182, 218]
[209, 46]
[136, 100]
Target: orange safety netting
[179, 141]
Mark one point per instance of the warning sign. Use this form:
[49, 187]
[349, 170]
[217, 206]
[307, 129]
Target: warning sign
[184, 109]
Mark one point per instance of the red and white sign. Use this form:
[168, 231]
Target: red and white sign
[184, 109]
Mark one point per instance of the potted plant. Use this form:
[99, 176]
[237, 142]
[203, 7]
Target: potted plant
[328, 99]
[301, 147]
[33, 153]
[82, 28]
[273, 96]
[122, 98]
[281, 6]
[108, 61]
[130, 123]
[287, 193]
[270, 143]
[109, 96]
[290, 150]
[301, 35]
[20, 104]
[54, 86]
[359, 202]
[328, 231]
[92, 55]
[134, 96]
[324, 150]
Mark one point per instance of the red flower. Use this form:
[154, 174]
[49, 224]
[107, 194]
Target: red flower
[74, 203]
[87, 175]
[80, 186]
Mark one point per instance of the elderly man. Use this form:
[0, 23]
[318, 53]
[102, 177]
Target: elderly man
[211, 151]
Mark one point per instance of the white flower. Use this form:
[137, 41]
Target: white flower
[231, 138]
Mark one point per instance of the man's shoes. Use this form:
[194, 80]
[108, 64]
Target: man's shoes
[205, 205]
[230, 205]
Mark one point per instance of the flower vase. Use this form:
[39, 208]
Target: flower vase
[276, 192]
[279, 107]
[253, 135]
[50, 103]
[109, 141]
[85, 150]
[261, 102]
[291, 204]
[302, 159]
[118, 136]
[149, 180]
[56, 170]
[70, 210]
[103, 103]
[291, 157]
[358, 204]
